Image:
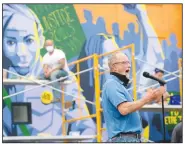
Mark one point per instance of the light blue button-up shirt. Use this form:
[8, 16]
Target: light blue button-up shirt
[113, 94]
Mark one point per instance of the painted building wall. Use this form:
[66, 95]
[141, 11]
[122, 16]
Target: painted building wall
[81, 30]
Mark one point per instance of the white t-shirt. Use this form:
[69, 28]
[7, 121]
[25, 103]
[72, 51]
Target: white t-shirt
[53, 60]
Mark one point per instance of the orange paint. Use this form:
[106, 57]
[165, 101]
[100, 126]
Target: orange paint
[165, 18]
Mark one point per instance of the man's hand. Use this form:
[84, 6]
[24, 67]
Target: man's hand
[165, 96]
[134, 8]
[149, 97]
[159, 93]
[47, 74]
[47, 71]
[154, 95]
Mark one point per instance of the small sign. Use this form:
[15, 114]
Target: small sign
[46, 97]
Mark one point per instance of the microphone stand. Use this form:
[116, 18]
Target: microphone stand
[162, 83]
[164, 130]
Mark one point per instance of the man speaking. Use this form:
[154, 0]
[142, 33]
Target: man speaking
[120, 111]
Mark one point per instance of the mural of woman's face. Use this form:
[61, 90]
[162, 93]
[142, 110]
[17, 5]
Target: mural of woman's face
[21, 43]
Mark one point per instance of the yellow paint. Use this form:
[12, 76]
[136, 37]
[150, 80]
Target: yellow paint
[41, 58]
[143, 6]
[146, 132]
[38, 41]
[23, 48]
[46, 97]
[170, 120]
[174, 118]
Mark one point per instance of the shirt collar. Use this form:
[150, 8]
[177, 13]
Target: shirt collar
[117, 79]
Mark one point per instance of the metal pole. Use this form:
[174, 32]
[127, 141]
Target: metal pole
[134, 72]
[97, 96]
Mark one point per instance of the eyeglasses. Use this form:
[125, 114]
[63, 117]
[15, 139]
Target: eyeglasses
[123, 62]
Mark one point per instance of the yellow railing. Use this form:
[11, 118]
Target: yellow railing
[97, 96]
[134, 72]
[63, 113]
[81, 118]
[64, 121]
[97, 75]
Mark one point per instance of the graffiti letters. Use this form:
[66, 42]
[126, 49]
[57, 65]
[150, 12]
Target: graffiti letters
[58, 25]
[174, 118]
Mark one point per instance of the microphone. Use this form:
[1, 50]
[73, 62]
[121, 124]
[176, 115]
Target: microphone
[147, 75]
[162, 83]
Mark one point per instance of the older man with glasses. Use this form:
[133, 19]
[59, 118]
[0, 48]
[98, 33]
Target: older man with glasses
[120, 111]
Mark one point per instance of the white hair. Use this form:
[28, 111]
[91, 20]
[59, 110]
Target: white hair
[113, 58]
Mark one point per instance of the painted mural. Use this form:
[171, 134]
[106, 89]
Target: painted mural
[81, 30]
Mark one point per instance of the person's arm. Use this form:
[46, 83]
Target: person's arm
[46, 70]
[118, 97]
[129, 107]
[61, 66]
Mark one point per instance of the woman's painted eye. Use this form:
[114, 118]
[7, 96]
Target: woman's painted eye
[29, 41]
[10, 42]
